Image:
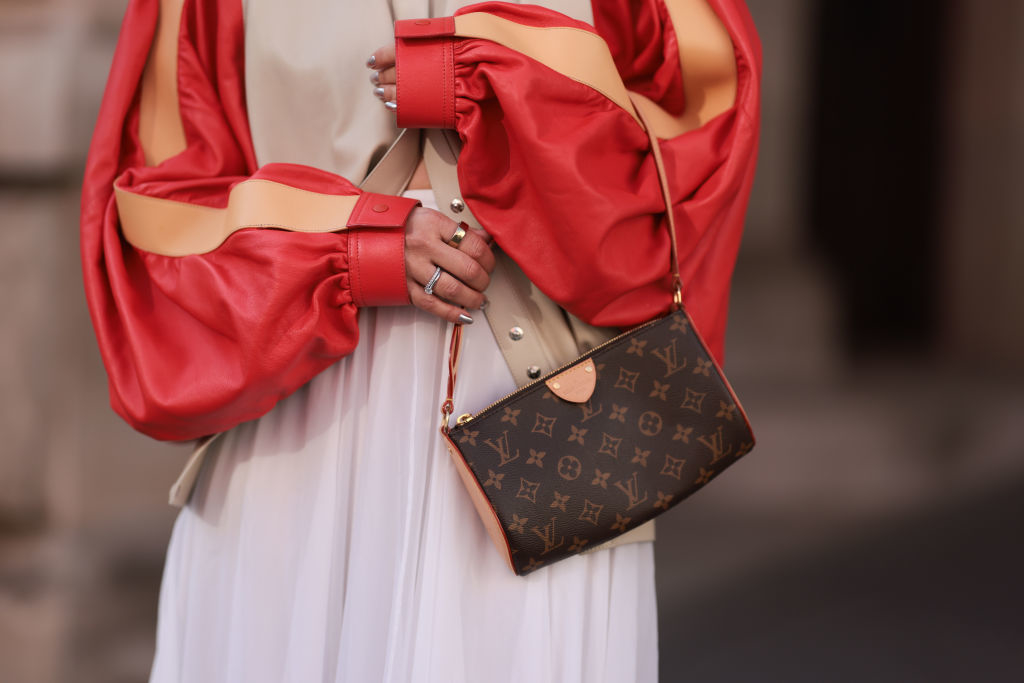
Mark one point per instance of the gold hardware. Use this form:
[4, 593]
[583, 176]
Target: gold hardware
[677, 294]
[556, 385]
[464, 418]
[589, 368]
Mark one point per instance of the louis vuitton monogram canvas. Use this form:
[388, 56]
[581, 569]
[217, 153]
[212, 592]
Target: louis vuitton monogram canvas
[565, 476]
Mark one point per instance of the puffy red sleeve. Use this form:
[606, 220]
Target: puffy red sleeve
[556, 164]
[216, 287]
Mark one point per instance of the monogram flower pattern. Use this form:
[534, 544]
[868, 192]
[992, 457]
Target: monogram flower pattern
[659, 403]
[518, 524]
[660, 390]
[682, 434]
[577, 434]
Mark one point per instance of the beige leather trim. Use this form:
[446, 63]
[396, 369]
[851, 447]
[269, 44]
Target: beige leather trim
[577, 54]
[161, 132]
[173, 228]
[575, 385]
[708, 62]
[484, 509]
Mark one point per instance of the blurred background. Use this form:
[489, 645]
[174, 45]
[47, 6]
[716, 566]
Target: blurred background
[877, 339]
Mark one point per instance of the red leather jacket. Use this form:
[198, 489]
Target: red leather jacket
[555, 165]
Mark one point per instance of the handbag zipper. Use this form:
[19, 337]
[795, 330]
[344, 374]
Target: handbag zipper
[466, 418]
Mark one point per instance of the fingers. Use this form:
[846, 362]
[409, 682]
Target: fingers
[465, 269]
[386, 93]
[434, 305]
[475, 245]
[384, 76]
[448, 288]
[382, 57]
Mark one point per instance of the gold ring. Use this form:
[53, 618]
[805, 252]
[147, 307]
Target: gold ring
[456, 239]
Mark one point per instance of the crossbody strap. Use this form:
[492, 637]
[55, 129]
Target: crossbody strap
[455, 346]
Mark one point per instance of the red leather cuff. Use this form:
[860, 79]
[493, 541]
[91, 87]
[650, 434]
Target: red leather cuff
[374, 210]
[425, 72]
[376, 250]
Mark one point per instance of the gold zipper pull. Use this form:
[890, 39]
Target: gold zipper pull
[463, 419]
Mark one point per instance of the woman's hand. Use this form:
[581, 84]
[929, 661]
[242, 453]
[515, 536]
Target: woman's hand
[465, 267]
[382, 61]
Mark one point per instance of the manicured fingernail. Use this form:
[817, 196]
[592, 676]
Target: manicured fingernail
[465, 319]
[375, 78]
[485, 304]
[391, 105]
[379, 92]
[372, 61]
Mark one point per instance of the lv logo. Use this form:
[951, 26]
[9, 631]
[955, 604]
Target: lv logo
[547, 535]
[669, 356]
[714, 442]
[503, 448]
[590, 411]
[632, 491]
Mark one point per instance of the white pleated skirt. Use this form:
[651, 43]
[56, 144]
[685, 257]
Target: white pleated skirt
[332, 540]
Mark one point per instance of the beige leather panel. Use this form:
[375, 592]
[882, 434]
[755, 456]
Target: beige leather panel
[575, 385]
[580, 55]
[172, 228]
[484, 509]
[708, 61]
[161, 132]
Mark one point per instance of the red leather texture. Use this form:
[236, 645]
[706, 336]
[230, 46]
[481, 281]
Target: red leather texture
[586, 221]
[562, 178]
[195, 345]
[425, 75]
[381, 211]
[425, 28]
[376, 267]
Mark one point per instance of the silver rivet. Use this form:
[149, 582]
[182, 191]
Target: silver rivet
[516, 333]
[457, 205]
[533, 372]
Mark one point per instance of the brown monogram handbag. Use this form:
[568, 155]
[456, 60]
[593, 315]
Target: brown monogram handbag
[603, 444]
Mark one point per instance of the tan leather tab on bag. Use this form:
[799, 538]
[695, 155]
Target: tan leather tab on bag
[576, 384]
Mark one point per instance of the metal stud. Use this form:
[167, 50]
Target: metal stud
[516, 333]
[457, 205]
[533, 372]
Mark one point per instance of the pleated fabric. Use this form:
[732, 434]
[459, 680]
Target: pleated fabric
[332, 540]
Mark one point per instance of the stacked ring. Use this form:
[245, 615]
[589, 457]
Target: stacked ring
[429, 287]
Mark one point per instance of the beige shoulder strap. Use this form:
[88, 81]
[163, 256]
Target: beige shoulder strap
[533, 332]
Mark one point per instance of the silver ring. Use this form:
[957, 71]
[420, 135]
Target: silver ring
[429, 287]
